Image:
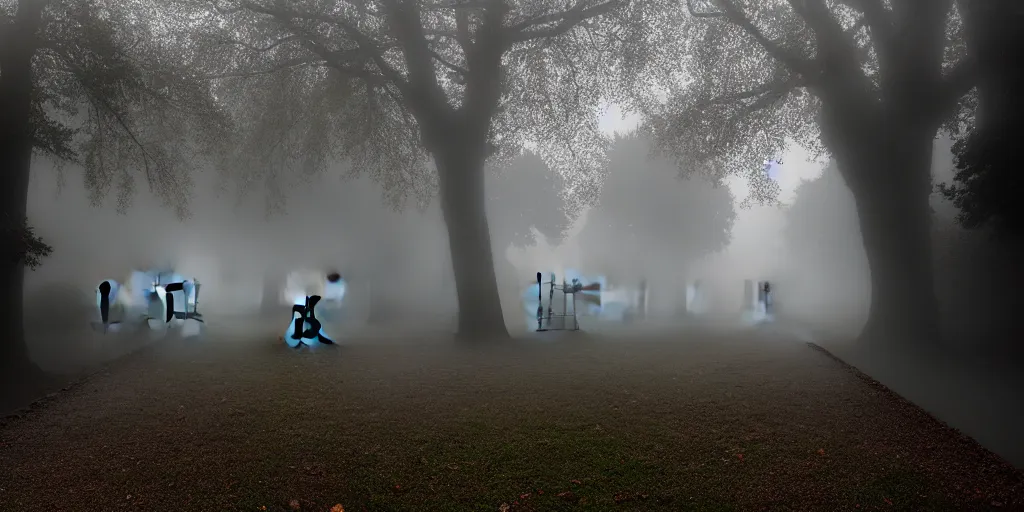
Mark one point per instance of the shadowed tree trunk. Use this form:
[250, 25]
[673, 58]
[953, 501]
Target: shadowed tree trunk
[457, 139]
[461, 167]
[16, 49]
[889, 171]
[883, 142]
[882, 100]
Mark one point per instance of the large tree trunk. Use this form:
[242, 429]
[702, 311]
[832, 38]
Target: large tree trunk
[461, 171]
[16, 138]
[889, 172]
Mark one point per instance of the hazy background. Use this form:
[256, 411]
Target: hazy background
[398, 263]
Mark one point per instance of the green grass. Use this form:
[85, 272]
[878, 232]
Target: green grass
[706, 425]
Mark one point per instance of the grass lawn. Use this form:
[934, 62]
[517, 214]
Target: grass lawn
[698, 422]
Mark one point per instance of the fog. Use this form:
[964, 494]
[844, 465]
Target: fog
[230, 245]
[398, 270]
[822, 269]
[396, 263]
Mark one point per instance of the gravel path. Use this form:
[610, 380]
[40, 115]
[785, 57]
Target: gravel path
[700, 423]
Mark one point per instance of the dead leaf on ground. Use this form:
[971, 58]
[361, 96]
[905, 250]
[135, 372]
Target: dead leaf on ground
[623, 497]
[294, 505]
[338, 508]
[567, 496]
[504, 507]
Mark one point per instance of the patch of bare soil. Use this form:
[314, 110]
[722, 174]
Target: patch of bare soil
[581, 423]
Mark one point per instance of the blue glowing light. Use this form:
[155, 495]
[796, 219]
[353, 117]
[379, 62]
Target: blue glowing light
[588, 302]
[304, 317]
[772, 169]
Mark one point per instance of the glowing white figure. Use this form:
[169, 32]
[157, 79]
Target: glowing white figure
[156, 309]
[334, 291]
[696, 302]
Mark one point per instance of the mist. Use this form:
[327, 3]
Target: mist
[230, 244]
[818, 261]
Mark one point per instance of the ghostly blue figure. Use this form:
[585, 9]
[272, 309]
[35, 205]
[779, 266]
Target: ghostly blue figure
[304, 327]
[772, 169]
[106, 297]
[530, 304]
[591, 299]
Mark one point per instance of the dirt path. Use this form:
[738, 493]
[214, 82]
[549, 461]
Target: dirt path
[711, 423]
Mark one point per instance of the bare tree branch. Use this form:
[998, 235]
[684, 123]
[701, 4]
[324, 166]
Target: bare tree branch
[731, 12]
[365, 42]
[280, 66]
[565, 21]
[776, 89]
[877, 18]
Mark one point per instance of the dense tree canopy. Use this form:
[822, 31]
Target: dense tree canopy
[760, 70]
[314, 82]
[109, 95]
[988, 184]
[868, 81]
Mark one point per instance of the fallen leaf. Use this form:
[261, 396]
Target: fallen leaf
[567, 496]
[577, 482]
[739, 456]
[821, 451]
[524, 496]
[338, 508]
[504, 507]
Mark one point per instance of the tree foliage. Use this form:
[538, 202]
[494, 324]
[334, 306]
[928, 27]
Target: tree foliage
[22, 245]
[525, 196]
[758, 71]
[648, 219]
[987, 184]
[110, 93]
[316, 81]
